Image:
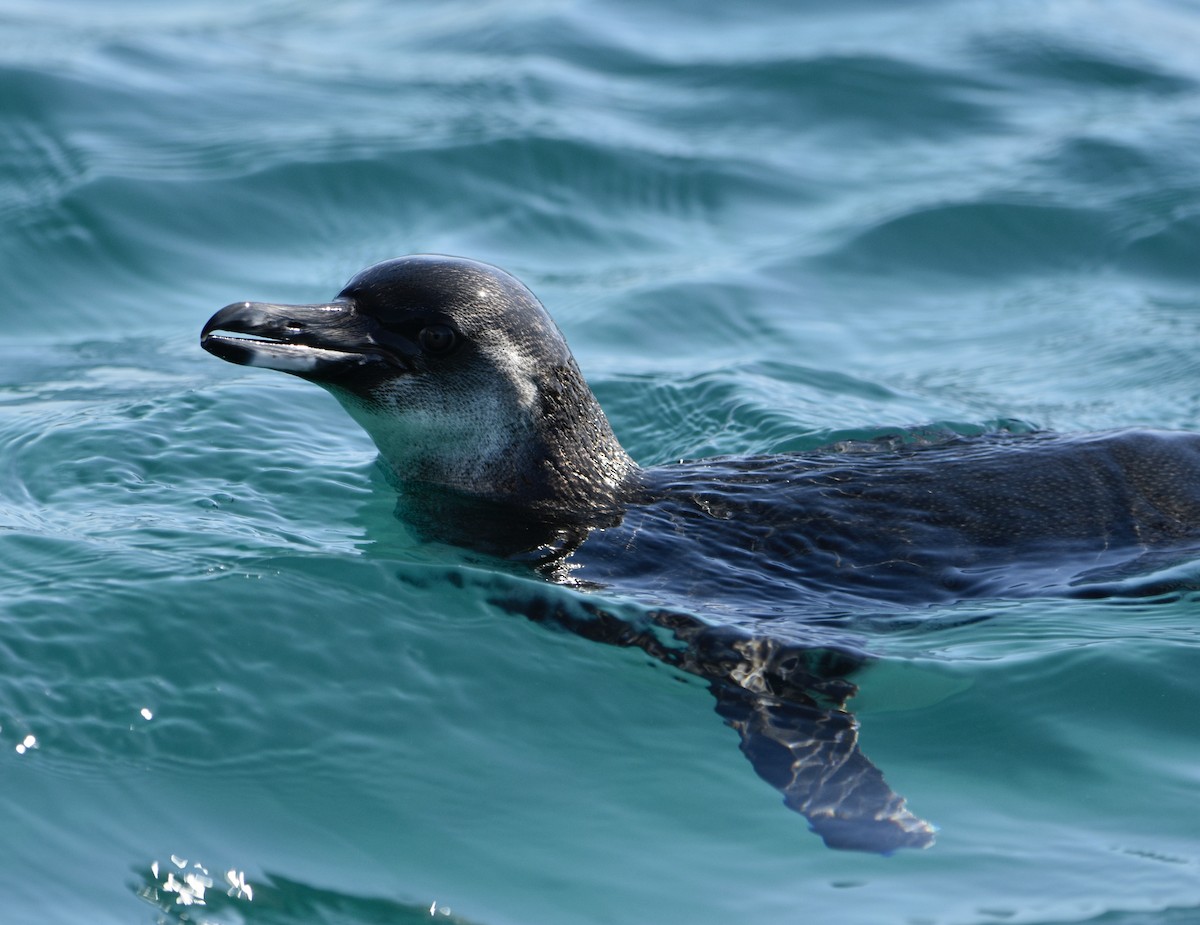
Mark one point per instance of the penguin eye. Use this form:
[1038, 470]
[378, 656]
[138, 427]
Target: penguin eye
[437, 339]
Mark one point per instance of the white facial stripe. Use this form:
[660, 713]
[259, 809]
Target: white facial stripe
[519, 370]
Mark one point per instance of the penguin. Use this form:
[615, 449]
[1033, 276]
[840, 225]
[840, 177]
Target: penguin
[495, 442]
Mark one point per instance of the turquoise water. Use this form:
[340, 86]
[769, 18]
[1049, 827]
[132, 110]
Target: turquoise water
[760, 226]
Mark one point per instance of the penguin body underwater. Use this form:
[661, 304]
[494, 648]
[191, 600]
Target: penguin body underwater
[750, 566]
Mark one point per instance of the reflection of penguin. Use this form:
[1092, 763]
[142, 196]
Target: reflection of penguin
[477, 406]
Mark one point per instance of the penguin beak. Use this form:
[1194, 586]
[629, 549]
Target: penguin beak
[314, 341]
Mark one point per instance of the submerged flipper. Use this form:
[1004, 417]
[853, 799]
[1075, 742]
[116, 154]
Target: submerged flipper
[785, 699]
[811, 756]
[787, 702]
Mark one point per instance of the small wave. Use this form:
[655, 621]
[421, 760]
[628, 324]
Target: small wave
[761, 408]
[1047, 61]
[186, 891]
[989, 239]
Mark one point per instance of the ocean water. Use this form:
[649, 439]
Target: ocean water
[235, 689]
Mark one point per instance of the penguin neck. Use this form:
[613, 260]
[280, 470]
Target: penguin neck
[576, 464]
[545, 450]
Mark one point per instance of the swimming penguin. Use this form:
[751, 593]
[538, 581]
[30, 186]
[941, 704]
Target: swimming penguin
[753, 566]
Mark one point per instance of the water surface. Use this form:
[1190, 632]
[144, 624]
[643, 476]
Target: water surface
[761, 227]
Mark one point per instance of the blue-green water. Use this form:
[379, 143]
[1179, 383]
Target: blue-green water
[760, 225]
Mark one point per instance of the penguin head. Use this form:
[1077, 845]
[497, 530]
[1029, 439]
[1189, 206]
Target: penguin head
[455, 370]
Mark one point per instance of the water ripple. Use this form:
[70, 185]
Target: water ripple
[762, 228]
